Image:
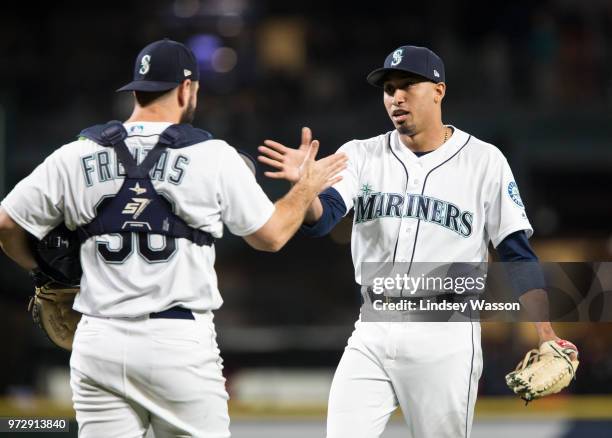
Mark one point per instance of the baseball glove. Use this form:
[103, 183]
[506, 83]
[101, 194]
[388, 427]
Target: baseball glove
[51, 308]
[545, 371]
[56, 282]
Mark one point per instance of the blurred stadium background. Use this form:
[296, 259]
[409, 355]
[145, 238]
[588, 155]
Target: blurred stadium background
[534, 78]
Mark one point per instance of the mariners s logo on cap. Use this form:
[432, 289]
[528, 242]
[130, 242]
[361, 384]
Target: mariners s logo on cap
[174, 63]
[397, 57]
[414, 60]
[145, 64]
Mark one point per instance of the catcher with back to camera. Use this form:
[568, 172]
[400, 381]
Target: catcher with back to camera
[147, 198]
[424, 192]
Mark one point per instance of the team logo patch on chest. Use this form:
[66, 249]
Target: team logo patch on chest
[371, 205]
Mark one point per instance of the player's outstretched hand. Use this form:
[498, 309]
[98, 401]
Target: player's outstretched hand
[287, 161]
[318, 175]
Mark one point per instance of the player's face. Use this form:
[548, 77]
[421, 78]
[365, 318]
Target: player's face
[410, 102]
[189, 112]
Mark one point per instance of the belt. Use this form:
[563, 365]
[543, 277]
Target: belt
[175, 312]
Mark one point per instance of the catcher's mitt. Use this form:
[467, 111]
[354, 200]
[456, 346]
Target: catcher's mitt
[51, 308]
[545, 371]
[56, 282]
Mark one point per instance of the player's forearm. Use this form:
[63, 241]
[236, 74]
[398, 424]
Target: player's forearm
[545, 331]
[14, 243]
[535, 303]
[287, 217]
[313, 212]
[290, 212]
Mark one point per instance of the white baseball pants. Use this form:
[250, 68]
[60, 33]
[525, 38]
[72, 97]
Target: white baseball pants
[429, 369]
[129, 374]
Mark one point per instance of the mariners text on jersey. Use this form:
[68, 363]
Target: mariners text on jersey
[104, 166]
[375, 205]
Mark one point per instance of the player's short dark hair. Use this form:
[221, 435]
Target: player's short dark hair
[145, 98]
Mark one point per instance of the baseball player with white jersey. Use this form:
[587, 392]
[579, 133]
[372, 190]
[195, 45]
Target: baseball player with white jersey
[147, 198]
[424, 192]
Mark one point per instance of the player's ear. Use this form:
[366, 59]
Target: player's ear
[193, 93]
[439, 91]
[184, 93]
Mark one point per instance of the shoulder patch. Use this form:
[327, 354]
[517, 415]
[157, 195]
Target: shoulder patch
[514, 194]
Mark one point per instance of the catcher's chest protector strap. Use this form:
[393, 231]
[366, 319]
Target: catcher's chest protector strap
[137, 207]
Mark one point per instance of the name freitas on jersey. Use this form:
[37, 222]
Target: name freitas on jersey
[125, 275]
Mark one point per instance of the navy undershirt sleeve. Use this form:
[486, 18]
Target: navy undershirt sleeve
[334, 210]
[515, 248]
[526, 274]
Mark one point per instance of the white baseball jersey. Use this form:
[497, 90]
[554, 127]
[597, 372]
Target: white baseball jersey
[444, 206]
[208, 184]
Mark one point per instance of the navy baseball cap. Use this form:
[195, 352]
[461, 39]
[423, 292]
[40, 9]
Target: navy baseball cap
[162, 66]
[412, 59]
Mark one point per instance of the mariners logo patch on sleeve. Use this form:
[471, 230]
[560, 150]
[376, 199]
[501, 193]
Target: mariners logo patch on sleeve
[514, 194]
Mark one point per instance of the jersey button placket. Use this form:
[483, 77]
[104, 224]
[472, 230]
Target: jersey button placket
[402, 244]
[408, 225]
[405, 241]
[416, 179]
